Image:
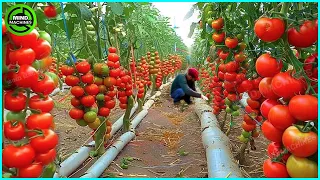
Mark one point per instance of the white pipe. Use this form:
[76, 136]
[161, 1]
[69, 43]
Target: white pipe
[219, 157]
[75, 160]
[135, 122]
[105, 160]
[244, 98]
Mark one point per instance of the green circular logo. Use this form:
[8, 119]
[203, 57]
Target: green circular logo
[20, 19]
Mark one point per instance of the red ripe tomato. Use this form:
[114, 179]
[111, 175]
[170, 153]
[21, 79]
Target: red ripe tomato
[42, 144]
[50, 11]
[22, 56]
[274, 150]
[83, 67]
[77, 91]
[223, 55]
[103, 111]
[271, 133]
[42, 48]
[218, 38]
[221, 75]
[121, 93]
[72, 80]
[45, 104]
[256, 82]
[284, 85]
[110, 64]
[114, 73]
[269, 29]
[118, 82]
[107, 98]
[123, 100]
[46, 158]
[39, 121]
[17, 157]
[298, 143]
[217, 24]
[280, 117]
[307, 35]
[123, 106]
[112, 50]
[112, 93]
[92, 89]
[240, 57]
[140, 95]
[248, 120]
[67, 70]
[4, 28]
[247, 85]
[13, 130]
[14, 102]
[232, 66]
[129, 92]
[75, 102]
[26, 40]
[230, 76]
[304, 107]
[44, 86]
[109, 81]
[254, 94]
[113, 57]
[266, 90]
[33, 170]
[26, 77]
[266, 106]
[110, 104]
[87, 101]
[248, 127]
[231, 42]
[87, 78]
[274, 169]
[253, 104]
[268, 66]
[232, 97]
[75, 113]
[309, 65]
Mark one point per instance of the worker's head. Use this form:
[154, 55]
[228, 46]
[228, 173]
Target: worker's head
[193, 74]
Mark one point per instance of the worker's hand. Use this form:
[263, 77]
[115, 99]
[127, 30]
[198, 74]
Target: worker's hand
[204, 98]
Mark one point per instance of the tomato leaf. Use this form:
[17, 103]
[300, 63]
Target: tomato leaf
[49, 170]
[116, 8]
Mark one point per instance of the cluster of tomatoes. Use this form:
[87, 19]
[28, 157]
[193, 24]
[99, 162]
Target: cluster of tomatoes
[32, 141]
[54, 69]
[142, 75]
[252, 114]
[291, 144]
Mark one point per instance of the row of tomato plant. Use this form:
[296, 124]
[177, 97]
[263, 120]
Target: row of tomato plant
[272, 56]
[34, 65]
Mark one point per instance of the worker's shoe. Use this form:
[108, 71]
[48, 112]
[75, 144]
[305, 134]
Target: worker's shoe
[176, 103]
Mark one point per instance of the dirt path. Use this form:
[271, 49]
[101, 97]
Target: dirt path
[168, 144]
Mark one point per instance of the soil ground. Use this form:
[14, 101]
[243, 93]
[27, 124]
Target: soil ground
[168, 142]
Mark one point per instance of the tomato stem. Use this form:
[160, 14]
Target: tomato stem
[28, 99]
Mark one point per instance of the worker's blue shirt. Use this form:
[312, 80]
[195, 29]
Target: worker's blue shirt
[188, 87]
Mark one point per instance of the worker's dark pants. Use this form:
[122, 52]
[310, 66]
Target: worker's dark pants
[179, 94]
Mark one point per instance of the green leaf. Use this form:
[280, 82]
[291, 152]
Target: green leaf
[192, 27]
[189, 14]
[86, 14]
[116, 8]
[40, 19]
[49, 170]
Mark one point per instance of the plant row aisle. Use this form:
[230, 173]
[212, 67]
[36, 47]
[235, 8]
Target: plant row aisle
[268, 52]
[109, 57]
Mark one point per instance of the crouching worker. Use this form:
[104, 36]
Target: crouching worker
[183, 87]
